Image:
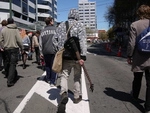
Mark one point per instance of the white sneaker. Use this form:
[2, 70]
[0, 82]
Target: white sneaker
[52, 85]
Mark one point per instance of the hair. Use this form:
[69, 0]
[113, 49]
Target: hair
[38, 32]
[48, 20]
[23, 33]
[10, 21]
[144, 12]
[4, 22]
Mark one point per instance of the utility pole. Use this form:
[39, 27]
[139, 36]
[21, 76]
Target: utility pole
[10, 8]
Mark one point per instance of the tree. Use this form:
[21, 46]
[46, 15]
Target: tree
[103, 35]
[110, 34]
[110, 15]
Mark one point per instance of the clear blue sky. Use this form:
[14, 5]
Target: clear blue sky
[63, 7]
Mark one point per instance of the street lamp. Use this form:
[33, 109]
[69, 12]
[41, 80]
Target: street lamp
[10, 8]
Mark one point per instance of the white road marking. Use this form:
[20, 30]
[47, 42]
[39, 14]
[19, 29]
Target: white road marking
[51, 94]
[88, 52]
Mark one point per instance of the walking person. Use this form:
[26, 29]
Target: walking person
[10, 40]
[47, 51]
[140, 62]
[2, 55]
[35, 46]
[77, 30]
[26, 47]
[30, 35]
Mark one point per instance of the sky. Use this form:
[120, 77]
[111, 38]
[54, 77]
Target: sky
[63, 7]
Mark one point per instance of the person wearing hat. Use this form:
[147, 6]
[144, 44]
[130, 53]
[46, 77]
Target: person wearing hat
[77, 30]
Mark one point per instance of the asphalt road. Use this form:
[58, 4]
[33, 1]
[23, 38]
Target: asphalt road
[110, 74]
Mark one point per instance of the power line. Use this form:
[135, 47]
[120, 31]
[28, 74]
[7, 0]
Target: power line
[67, 9]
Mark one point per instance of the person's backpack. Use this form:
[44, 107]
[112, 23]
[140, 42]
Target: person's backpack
[143, 41]
[69, 52]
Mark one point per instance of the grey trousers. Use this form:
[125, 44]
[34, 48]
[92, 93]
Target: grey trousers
[66, 71]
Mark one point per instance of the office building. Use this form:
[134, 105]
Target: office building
[27, 13]
[46, 8]
[87, 14]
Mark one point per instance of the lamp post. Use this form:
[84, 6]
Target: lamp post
[10, 8]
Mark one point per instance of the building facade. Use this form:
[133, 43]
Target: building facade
[87, 14]
[27, 12]
[46, 8]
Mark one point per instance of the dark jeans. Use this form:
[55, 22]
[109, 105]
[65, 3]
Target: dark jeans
[10, 64]
[147, 103]
[137, 86]
[50, 75]
[2, 58]
[37, 54]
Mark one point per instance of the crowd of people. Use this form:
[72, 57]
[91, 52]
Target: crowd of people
[19, 44]
[16, 44]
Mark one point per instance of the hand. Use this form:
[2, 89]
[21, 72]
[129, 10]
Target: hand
[81, 62]
[41, 56]
[22, 51]
[32, 49]
[129, 60]
[1, 49]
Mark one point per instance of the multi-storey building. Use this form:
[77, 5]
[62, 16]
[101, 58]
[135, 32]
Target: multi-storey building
[87, 14]
[46, 8]
[27, 12]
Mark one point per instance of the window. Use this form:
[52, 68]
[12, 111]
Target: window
[92, 13]
[41, 19]
[31, 9]
[25, 1]
[44, 11]
[92, 9]
[31, 20]
[33, 1]
[17, 2]
[24, 17]
[55, 2]
[24, 8]
[86, 3]
[43, 2]
[16, 14]
[92, 4]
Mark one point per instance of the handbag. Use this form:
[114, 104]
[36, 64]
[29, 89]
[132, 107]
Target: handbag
[58, 59]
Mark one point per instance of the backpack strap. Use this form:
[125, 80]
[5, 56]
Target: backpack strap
[67, 29]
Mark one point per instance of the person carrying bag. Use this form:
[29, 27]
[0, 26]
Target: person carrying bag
[58, 59]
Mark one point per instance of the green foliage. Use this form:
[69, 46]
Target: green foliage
[123, 12]
[110, 34]
[103, 36]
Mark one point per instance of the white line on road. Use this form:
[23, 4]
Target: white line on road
[51, 94]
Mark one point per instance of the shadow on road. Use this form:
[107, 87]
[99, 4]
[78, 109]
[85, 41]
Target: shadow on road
[123, 96]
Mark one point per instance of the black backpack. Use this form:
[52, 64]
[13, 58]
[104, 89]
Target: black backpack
[71, 45]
